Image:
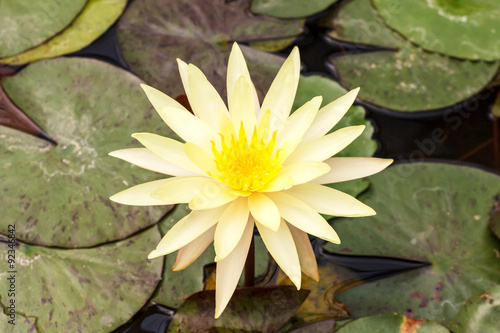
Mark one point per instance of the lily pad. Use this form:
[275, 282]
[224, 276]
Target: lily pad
[406, 78]
[383, 323]
[263, 309]
[95, 18]
[21, 324]
[290, 9]
[479, 314]
[176, 287]
[462, 29]
[83, 290]
[25, 23]
[426, 212]
[494, 221]
[58, 195]
[364, 146]
[153, 33]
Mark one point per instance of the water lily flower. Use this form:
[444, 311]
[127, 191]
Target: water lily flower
[248, 164]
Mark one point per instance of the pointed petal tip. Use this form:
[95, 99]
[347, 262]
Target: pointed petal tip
[154, 254]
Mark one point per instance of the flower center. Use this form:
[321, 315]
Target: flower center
[246, 166]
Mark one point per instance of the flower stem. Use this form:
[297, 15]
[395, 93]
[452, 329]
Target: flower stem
[250, 266]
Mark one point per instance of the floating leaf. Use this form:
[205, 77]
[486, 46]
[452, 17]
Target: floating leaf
[58, 195]
[462, 29]
[427, 212]
[175, 287]
[404, 79]
[25, 23]
[290, 9]
[153, 33]
[479, 314]
[383, 323]
[20, 324]
[494, 221]
[83, 290]
[263, 309]
[95, 18]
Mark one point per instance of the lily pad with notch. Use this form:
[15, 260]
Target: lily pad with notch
[427, 212]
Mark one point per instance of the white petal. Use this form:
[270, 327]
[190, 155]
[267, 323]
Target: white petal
[348, 168]
[281, 246]
[242, 107]
[264, 211]
[326, 146]
[230, 228]
[229, 270]
[140, 195]
[205, 100]
[329, 115]
[303, 172]
[184, 189]
[305, 251]
[160, 100]
[203, 159]
[302, 216]
[189, 253]
[329, 201]
[144, 158]
[183, 71]
[298, 123]
[186, 230]
[211, 197]
[236, 68]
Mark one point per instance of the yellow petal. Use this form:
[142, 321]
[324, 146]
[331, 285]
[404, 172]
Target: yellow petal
[305, 251]
[329, 201]
[281, 246]
[186, 230]
[298, 123]
[302, 216]
[211, 197]
[140, 195]
[229, 270]
[303, 172]
[168, 149]
[230, 228]
[189, 127]
[144, 158]
[279, 183]
[326, 146]
[329, 115]
[189, 253]
[204, 98]
[203, 159]
[160, 100]
[184, 189]
[226, 127]
[348, 168]
[236, 68]
[264, 211]
[183, 72]
[242, 107]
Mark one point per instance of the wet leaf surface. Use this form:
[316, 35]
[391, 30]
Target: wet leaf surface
[479, 314]
[289, 8]
[153, 33]
[94, 19]
[405, 78]
[263, 309]
[58, 195]
[83, 290]
[462, 29]
[441, 218]
[25, 23]
[392, 323]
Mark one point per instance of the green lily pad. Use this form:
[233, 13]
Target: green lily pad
[153, 33]
[176, 287]
[25, 23]
[290, 9]
[494, 221]
[427, 212]
[405, 79]
[82, 290]
[58, 195]
[20, 324]
[462, 29]
[479, 314]
[364, 146]
[263, 309]
[383, 323]
[95, 18]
